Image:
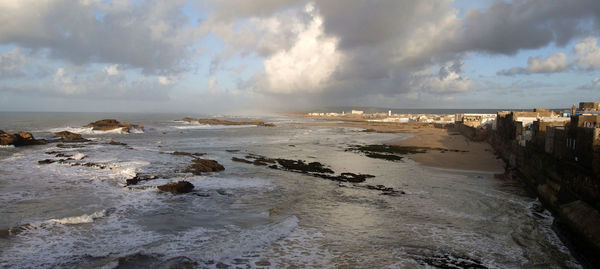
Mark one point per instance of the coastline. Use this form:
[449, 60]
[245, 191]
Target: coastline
[469, 155]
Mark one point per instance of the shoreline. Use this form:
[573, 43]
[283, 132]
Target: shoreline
[469, 155]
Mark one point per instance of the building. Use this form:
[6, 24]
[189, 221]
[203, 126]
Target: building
[357, 112]
[589, 106]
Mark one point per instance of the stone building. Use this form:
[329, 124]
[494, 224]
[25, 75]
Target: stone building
[589, 106]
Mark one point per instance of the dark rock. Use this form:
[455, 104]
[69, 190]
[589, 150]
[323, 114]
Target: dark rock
[204, 165]
[232, 150]
[183, 153]
[46, 161]
[69, 146]
[369, 130]
[66, 135]
[228, 122]
[135, 180]
[111, 124]
[116, 143]
[19, 139]
[177, 187]
[300, 165]
[235, 159]
[354, 178]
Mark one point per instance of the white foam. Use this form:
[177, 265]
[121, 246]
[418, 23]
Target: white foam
[89, 130]
[197, 126]
[78, 156]
[81, 219]
[7, 146]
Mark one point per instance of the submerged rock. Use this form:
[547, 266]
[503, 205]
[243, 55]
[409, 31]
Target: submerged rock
[177, 187]
[183, 153]
[228, 122]
[19, 139]
[240, 160]
[116, 143]
[46, 161]
[111, 124]
[200, 166]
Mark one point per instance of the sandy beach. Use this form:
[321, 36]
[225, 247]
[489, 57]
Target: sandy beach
[472, 156]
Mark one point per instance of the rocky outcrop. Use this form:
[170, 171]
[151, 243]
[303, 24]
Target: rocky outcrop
[200, 166]
[66, 135]
[228, 122]
[177, 187]
[111, 124]
[116, 143]
[19, 139]
[316, 169]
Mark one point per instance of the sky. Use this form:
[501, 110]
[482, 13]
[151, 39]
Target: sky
[253, 56]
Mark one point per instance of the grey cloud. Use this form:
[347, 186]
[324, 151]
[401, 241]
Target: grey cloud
[552, 64]
[151, 36]
[11, 63]
[507, 27]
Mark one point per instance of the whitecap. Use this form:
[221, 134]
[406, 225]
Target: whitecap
[78, 156]
[81, 219]
[7, 146]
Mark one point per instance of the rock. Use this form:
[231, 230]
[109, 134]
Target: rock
[111, 124]
[177, 187]
[235, 159]
[369, 130]
[19, 139]
[354, 178]
[66, 135]
[46, 161]
[135, 180]
[183, 153]
[204, 165]
[116, 143]
[300, 165]
[232, 150]
[228, 122]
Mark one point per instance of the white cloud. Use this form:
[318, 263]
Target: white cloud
[554, 63]
[588, 54]
[535, 65]
[112, 69]
[448, 80]
[307, 65]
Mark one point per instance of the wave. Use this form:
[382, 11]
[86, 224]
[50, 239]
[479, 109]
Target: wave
[89, 130]
[7, 146]
[81, 219]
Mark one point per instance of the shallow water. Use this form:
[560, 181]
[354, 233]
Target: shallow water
[250, 216]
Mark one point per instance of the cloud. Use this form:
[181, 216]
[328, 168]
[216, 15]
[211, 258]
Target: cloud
[588, 54]
[593, 85]
[307, 65]
[149, 35]
[508, 27]
[552, 64]
[11, 63]
[102, 84]
[447, 81]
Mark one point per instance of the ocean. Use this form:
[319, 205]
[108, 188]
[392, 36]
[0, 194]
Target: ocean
[83, 216]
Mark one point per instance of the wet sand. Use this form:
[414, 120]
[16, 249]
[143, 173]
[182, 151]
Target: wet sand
[479, 156]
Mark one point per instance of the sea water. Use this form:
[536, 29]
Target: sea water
[252, 216]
